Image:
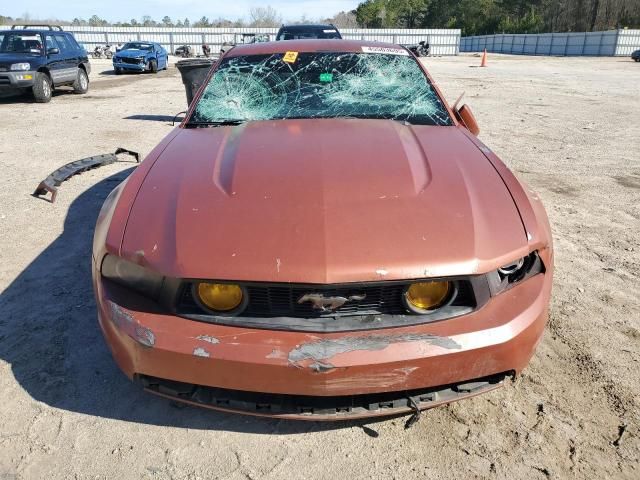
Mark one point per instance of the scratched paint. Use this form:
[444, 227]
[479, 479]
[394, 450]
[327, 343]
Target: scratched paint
[321, 367]
[323, 350]
[208, 339]
[201, 352]
[127, 323]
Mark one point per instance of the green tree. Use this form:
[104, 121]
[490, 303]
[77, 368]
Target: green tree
[166, 21]
[203, 22]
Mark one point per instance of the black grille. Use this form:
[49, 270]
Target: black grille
[130, 60]
[4, 80]
[281, 300]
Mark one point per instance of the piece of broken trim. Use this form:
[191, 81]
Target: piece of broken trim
[53, 181]
[415, 416]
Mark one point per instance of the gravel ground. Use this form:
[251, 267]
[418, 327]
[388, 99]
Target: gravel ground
[567, 126]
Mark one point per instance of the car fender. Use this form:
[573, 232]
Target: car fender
[532, 213]
[110, 240]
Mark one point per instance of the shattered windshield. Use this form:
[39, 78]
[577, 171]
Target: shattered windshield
[320, 85]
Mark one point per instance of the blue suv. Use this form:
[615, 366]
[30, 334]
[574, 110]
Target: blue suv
[42, 58]
[141, 57]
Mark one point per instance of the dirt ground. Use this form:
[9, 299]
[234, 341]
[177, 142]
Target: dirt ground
[567, 126]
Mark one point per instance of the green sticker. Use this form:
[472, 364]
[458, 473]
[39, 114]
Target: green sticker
[326, 77]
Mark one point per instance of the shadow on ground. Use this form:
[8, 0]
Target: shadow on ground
[25, 96]
[50, 337]
[158, 118]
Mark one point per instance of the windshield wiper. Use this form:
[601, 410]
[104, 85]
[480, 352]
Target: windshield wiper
[218, 123]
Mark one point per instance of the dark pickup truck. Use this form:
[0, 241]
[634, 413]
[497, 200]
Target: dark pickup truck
[42, 58]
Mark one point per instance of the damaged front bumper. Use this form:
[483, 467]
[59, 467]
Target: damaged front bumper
[323, 376]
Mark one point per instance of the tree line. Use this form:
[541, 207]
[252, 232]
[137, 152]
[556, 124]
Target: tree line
[473, 17]
[479, 17]
[257, 17]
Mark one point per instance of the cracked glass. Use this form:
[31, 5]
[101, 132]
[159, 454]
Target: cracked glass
[320, 85]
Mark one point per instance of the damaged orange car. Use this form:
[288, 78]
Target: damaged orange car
[323, 237]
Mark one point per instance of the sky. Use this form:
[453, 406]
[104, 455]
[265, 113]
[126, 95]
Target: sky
[124, 10]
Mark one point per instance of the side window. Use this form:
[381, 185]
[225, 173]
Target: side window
[50, 42]
[72, 42]
[63, 44]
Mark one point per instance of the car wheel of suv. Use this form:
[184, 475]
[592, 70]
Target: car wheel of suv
[42, 88]
[81, 85]
[153, 66]
[118, 70]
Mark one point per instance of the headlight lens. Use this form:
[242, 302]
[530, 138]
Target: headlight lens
[220, 297]
[426, 296]
[20, 66]
[131, 275]
[515, 272]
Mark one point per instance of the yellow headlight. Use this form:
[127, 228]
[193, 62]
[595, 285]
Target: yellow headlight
[428, 295]
[220, 296]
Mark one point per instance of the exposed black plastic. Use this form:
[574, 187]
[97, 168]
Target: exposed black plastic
[53, 181]
[339, 407]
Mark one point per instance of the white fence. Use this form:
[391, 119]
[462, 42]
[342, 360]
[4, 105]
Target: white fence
[609, 43]
[443, 41]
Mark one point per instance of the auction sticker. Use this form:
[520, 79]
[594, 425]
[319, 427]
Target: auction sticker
[386, 50]
[290, 57]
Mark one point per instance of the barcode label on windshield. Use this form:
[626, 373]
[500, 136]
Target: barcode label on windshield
[386, 51]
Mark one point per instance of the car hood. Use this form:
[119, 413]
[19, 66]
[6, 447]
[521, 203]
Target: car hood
[322, 201]
[6, 59]
[132, 53]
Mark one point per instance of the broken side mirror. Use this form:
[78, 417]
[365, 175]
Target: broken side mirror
[465, 116]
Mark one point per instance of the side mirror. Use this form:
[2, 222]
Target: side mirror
[465, 116]
[53, 51]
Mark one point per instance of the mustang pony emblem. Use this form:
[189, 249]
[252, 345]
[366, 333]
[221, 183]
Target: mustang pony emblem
[329, 304]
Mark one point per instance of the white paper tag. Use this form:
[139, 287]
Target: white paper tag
[386, 51]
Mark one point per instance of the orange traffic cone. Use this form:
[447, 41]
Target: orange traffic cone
[483, 63]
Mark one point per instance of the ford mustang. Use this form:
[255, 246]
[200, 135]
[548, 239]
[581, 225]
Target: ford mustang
[323, 237]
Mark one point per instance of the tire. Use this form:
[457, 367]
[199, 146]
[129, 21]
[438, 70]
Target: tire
[81, 85]
[118, 70]
[153, 66]
[42, 88]
[109, 54]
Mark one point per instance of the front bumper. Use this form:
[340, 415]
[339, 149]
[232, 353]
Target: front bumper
[136, 67]
[443, 356]
[17, 79]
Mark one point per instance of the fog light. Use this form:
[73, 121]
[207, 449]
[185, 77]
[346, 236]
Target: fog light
[426, 296]
[220, 297]
[24, 77]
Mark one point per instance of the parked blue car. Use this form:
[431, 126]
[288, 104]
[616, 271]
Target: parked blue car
[140, 57]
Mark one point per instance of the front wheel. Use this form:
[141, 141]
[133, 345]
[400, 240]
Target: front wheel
[81, 85]
[42, 88]
[118, 70]
[153, 66]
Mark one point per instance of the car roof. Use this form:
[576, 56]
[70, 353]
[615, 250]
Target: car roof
[42, 31]
[306, 26]
[311, 45]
